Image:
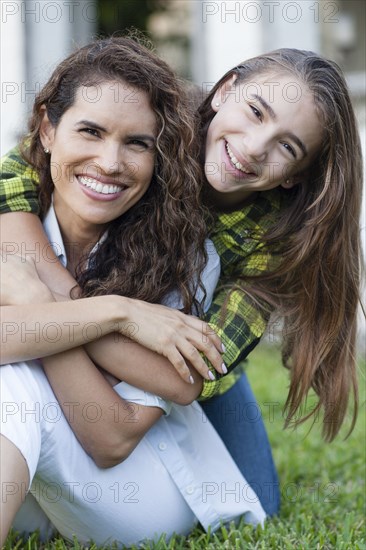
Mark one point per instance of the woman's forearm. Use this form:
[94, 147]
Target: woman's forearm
[107, 426]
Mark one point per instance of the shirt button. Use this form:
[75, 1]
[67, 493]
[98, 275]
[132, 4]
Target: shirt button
[162, 446]
[190, 490]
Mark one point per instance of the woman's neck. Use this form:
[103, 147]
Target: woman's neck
[78, 237]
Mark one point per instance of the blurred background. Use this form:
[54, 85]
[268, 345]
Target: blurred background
[200, 39]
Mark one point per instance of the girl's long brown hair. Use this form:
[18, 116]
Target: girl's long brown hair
[315, 286]
[158, 245]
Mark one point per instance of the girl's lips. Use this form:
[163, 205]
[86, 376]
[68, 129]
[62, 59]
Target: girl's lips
[231, 168]
[238, 161]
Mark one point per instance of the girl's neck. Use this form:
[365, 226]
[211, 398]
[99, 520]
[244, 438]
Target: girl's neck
[227, 202]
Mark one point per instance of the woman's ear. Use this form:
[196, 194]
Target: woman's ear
[46, 130]
[221, 93]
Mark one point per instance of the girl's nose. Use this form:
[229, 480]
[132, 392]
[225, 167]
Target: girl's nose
[256, 147]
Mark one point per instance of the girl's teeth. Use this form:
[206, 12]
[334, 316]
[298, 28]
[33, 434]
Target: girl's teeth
[99, 187]
[238, 165]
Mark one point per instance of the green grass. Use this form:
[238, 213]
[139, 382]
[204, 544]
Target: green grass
[322, 485]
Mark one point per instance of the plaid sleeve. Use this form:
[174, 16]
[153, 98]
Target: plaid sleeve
[233, 315]
[240, 326]
[18, 185]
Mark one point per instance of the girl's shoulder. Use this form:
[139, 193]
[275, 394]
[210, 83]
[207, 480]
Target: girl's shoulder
[255, 217]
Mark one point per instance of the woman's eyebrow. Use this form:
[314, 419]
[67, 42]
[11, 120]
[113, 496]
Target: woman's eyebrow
[90, 124]
[273, 116]
[95, 126]
[142, 137]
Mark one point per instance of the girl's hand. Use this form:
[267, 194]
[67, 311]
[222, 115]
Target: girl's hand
[19, 281]
[178, 337]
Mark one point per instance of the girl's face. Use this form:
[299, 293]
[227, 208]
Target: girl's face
[264, 133]
[102, 154]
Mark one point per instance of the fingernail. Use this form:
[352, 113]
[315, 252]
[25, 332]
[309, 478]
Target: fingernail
[223, 348]
[223, 368]
[211, 375]
[191, 379]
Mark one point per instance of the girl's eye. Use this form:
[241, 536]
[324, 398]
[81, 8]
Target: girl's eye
[91, 131]
[256, 112]
[290, 149]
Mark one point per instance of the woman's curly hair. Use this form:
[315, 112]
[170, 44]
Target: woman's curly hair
[157, 245]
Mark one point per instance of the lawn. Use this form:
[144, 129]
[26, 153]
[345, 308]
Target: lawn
[322, 485]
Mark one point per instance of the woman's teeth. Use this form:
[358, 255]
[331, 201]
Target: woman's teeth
[104, 189]
[238, 165]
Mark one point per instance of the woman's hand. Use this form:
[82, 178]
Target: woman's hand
[19, 281]
[176, 336]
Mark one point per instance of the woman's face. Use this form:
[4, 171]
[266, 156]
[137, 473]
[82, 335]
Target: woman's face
[264, 133]
[102, 154]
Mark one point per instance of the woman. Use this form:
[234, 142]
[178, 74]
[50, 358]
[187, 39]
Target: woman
[259, 225]
[117, 214]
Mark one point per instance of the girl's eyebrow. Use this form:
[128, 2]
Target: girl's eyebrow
[273, 116]
[265, 105]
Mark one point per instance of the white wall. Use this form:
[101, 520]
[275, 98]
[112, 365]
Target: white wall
[227, 32]
[35, 36]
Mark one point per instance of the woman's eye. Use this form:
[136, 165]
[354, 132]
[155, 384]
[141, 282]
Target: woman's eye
[91, 131]
[256, 112]
[290, 149]
[139, 143]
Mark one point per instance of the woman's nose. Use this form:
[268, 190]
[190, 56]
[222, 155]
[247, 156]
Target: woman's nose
[110, 159]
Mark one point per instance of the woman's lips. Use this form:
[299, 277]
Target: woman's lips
[97, 189]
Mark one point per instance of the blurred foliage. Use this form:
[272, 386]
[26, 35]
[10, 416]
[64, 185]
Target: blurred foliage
[118, 15]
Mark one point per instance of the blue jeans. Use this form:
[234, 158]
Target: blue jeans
[237, 418]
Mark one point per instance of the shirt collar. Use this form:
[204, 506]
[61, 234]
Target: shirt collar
[52, 230]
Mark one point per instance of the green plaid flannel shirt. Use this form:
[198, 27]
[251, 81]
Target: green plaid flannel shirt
[17, 185]
[237, 238]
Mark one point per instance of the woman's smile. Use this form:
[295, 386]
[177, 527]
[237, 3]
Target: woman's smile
[100, 188]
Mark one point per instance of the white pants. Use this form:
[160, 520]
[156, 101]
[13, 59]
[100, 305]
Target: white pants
[179, 473]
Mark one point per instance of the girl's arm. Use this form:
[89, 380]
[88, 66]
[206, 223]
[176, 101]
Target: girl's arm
[168, 332]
